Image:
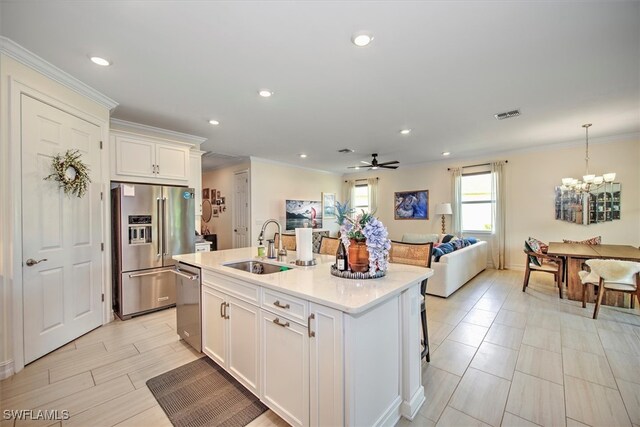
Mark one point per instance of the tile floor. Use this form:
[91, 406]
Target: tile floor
[499, 357]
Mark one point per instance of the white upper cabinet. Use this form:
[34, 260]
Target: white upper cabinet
[151, 155]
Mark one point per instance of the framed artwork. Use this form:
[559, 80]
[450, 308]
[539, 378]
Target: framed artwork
[223, 200]
[411, 205]
[218, 202]
[328, 205]
[213, 195]
[215, 211]
[217, 194]
[205, 194]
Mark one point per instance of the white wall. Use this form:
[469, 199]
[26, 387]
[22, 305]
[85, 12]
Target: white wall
[273, 183]
[531, 178]
[222, 180]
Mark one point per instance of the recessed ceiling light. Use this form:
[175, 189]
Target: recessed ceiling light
[303, 156]
[214, 122]
[361, 39]
[100, 61]
[446, 153]
[265, 93]
[405, 131]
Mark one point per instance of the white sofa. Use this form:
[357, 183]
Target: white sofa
[454, 269]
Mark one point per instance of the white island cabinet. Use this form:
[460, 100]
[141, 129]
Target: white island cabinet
[316, 349]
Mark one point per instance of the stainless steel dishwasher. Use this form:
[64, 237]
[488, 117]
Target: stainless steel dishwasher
[188, 304]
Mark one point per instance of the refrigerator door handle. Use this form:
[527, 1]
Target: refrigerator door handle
[165, 227]
[160, 229]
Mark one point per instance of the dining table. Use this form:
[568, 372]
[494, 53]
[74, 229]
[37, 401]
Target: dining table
[576, 254]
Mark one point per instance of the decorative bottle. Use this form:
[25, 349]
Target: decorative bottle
[341, 258]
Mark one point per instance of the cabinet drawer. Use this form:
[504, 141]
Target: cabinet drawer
[237, 288]
[290, 307]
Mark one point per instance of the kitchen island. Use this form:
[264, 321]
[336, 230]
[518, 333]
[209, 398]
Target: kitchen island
[316, 349]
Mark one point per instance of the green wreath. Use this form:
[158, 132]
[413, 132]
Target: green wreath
[71, 173]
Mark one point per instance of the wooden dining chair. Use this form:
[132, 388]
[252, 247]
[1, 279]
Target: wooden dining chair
[615, 275]
[587, 277]
[329, 245]
[288, 241]
[418, 254]
[547, 264]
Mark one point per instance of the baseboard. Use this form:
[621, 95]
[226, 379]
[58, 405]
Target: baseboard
[391, 415]
[6, 369]
[410, 409]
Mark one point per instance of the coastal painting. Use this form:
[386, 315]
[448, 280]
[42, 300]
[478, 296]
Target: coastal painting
[411, 205]
[303, 213]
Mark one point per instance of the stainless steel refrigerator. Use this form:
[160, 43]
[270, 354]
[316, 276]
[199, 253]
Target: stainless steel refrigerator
[150, 224]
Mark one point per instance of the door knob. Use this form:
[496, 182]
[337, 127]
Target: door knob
[31, 262]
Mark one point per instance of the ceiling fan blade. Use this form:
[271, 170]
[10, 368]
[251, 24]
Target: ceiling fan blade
[388, 167]
[393, 162]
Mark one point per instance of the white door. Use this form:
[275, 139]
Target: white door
[241, 210]
[62, 293]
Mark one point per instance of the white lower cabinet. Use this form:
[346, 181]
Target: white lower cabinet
[285, 368]
[230, 335]
[294, 364]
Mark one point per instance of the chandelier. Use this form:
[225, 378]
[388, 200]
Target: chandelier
[589, 181]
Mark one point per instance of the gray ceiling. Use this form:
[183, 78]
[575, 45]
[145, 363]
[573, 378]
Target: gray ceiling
[440, 68]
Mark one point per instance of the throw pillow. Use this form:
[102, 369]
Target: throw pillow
[437, 253]
[447, 238]
[592, 241]
[457, 243]
[446, 248]
[472, 240]
[543, 246]
[532, 245]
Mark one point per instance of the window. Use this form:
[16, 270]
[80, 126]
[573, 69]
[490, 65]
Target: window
[361, 198]
[476, 203]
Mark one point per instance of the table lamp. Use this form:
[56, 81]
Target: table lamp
[443, 209]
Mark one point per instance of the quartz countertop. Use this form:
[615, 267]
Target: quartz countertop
[315, 284]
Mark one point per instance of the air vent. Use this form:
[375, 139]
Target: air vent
[346, 150]
[507, 115]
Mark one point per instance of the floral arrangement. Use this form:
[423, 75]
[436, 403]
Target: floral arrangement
[364, 227]
[70, 172]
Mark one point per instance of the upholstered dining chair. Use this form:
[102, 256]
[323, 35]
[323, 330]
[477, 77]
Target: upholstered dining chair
[540, 262]
[587, 277]
[288, 241]
[416, 254]
[329, 245]
[615, 275]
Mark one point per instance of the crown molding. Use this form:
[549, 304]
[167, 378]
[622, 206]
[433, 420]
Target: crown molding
[117, 124]
[31, 60]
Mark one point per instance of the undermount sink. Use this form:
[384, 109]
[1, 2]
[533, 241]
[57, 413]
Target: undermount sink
[257, 267]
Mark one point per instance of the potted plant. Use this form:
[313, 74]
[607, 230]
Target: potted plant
[365, 237]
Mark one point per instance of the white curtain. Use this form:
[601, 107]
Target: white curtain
[456, 206]
[348, 192]
[498, 212]
[372, 184]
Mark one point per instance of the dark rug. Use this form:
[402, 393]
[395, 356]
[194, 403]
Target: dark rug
[201, 393]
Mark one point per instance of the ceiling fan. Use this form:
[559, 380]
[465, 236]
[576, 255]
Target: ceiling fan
[375, 165]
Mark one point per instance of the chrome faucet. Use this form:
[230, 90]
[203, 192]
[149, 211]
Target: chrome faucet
[282, 253]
